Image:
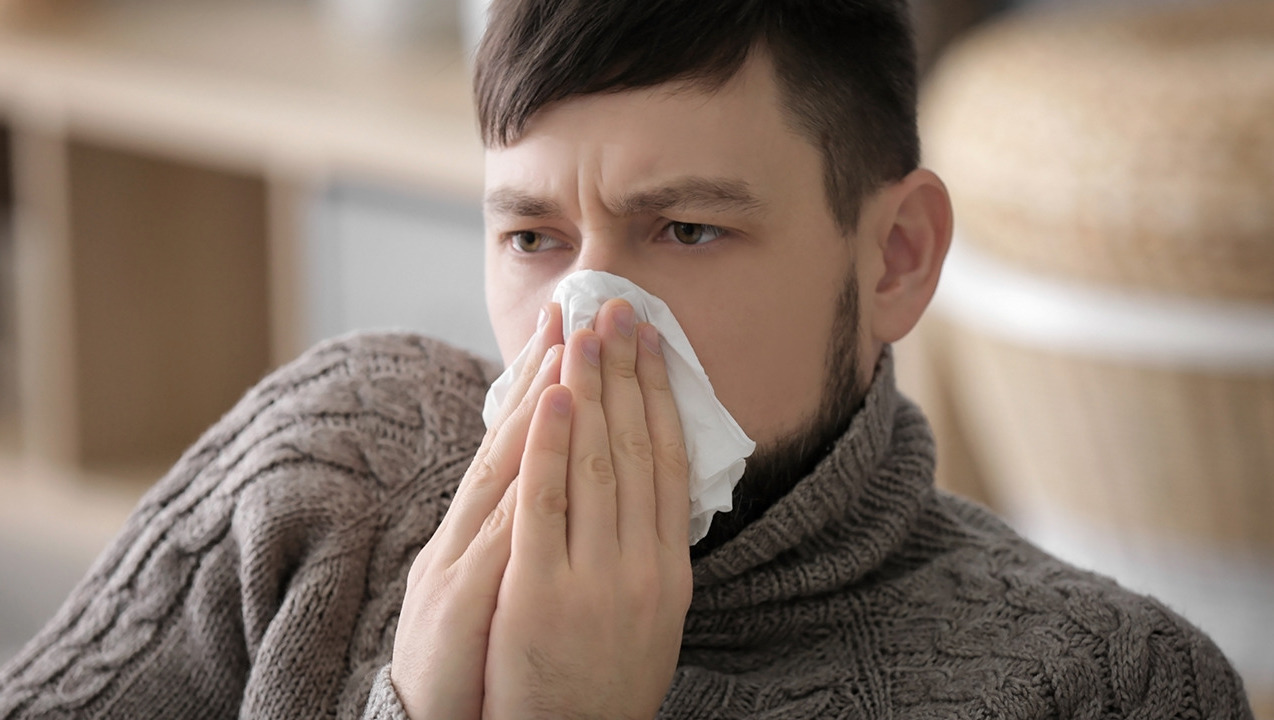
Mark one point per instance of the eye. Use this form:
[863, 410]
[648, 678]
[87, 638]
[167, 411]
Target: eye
[694, 233]
[527, 241]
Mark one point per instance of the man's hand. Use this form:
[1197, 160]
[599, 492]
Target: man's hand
[590, 612]
[440, 649]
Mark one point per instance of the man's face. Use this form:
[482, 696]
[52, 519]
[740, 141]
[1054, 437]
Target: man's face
[710, 202]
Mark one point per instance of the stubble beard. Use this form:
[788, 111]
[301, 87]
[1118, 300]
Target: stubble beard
[775, 469]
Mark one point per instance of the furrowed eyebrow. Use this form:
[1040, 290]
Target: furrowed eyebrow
[712, 194]
[515, 203]
[690, 193]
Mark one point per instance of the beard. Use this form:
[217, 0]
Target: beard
[773, 470]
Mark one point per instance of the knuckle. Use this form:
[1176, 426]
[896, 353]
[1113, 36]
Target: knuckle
[518, 413]
[419, 567]
[499, 520]
[649, 591]
[624, 368]
[558, 454]
[588, 391]
[642, 584]
[600, 468]
[654, 380]
[674, 457]
[530, 368]
[482, 472]
[681, 587]
[551, 500]
[635, 445]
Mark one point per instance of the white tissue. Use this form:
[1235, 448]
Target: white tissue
[716, 447]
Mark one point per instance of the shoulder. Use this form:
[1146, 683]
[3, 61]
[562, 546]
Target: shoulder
[355, 423]
[328, 476]
[366, 398]
[995, 611]
[283, 534]
[388, 369]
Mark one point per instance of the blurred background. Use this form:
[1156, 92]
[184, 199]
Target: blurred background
[191, 193]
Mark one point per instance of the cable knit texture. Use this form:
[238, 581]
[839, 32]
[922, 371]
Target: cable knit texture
[263, 575]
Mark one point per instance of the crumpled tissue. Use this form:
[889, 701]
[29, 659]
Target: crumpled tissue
[716, 447]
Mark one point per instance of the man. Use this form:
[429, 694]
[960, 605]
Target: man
[754, 165]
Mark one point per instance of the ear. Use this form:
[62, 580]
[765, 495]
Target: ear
[913, 233]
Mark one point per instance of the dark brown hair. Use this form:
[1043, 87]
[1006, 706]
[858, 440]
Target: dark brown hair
[846, 70]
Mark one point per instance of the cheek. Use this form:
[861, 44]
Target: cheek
[513, 306]
[765, 354]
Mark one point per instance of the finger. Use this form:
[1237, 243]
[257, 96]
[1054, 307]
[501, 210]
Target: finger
[482, 564]
[440, 644]
[672, 491]
[494, 466]
[626, 427]
[590, 481]
[540, 522]
[547, 336]
[548, 333]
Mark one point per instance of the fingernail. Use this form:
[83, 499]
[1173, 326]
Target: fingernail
[548, 358]
[625, 320]
[561, 402]
[650, 338]
[592, 348]
[543, 319]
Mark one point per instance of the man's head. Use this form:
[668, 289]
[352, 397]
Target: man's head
[846, 70]
[752, 164]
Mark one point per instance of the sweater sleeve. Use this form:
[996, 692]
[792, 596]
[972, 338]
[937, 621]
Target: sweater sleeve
[383, 703]
[262, 575]
[153, 629]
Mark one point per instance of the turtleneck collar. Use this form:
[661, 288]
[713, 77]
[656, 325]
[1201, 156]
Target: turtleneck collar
[839, 523]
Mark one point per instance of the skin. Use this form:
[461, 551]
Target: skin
[558, 583]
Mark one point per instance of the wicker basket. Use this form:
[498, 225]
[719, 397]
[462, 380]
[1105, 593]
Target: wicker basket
[1141, 460]
[1129, 155]
[1128, 148]
[1145, 452]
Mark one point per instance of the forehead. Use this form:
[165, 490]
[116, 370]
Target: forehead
[738, 130]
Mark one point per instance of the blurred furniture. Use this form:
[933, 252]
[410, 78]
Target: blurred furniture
[383, 257]
[1099, 360]
[165, 159]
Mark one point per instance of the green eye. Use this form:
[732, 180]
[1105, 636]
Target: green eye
[527, 241]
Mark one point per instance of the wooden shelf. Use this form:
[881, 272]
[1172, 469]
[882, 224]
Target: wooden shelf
[163, 156]
[261, 87]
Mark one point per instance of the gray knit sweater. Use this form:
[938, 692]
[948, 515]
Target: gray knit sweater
[262, 578]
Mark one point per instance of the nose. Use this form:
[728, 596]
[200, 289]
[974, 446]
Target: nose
[626, 256]
[605, 250]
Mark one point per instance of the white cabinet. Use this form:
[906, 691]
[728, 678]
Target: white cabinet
[383, 259]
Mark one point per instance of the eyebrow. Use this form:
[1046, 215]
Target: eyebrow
[515, 203]
[687, 193]
[693, 193]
